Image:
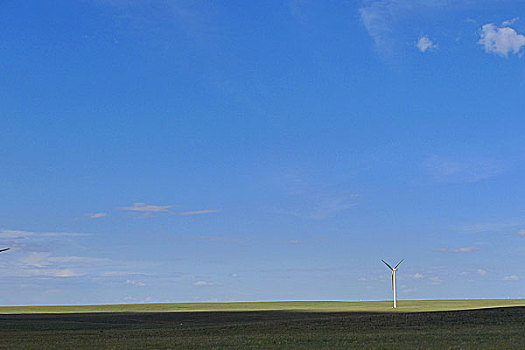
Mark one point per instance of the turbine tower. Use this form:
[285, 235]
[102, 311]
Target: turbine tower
[394, 269]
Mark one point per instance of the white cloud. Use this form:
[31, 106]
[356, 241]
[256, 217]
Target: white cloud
[501, 41]
[511, 278]
[424, 43]
[234, 275]
[202, 284]
[199, 212]
[146, 208]
[521, 232]
[96, 215]
[482, 272]
[458, 250]
[417, 276]
[135, 283]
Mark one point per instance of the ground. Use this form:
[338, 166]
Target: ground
[499, 327]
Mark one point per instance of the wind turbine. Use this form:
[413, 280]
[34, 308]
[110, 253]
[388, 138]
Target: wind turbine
[394, 269]
[3, 250]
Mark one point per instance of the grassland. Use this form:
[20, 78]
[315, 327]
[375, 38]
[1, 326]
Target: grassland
[283, 325]
[311, 306]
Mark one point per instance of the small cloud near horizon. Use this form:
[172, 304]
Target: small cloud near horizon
[511, 278]
[521, 232]
[135, 283]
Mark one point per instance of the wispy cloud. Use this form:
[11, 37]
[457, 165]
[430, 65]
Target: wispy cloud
[216, 239]
[146, 208]
[511, 278]
[503, 226]
[380, 16]
[462, 170]
[521, 232]
[501, 40]
[45, 264]
[199, 212]
[41, 264]
[60, 273]
[435, 281]
[327, 206]
[424, 44]
[458, 250]
[78, 259]
[96, 215]
[317, 202]
[417, 276]
[122, 273]
[19, 234]
[202, 284]
[149, 210]
[509, 22]
[36, 259]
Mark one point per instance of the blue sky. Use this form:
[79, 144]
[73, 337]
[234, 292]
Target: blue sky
[162, 151]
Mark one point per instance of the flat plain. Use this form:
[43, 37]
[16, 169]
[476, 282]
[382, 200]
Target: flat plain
[438, 324]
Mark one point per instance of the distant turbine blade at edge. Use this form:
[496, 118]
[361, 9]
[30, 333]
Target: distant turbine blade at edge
[399, 263]
[3, 250]
[384, 262]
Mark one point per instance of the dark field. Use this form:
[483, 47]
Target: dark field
[488, 328]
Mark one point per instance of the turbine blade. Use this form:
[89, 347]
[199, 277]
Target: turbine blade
[384, 262]
[392, 280]
[3, 250]
[399, 263]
